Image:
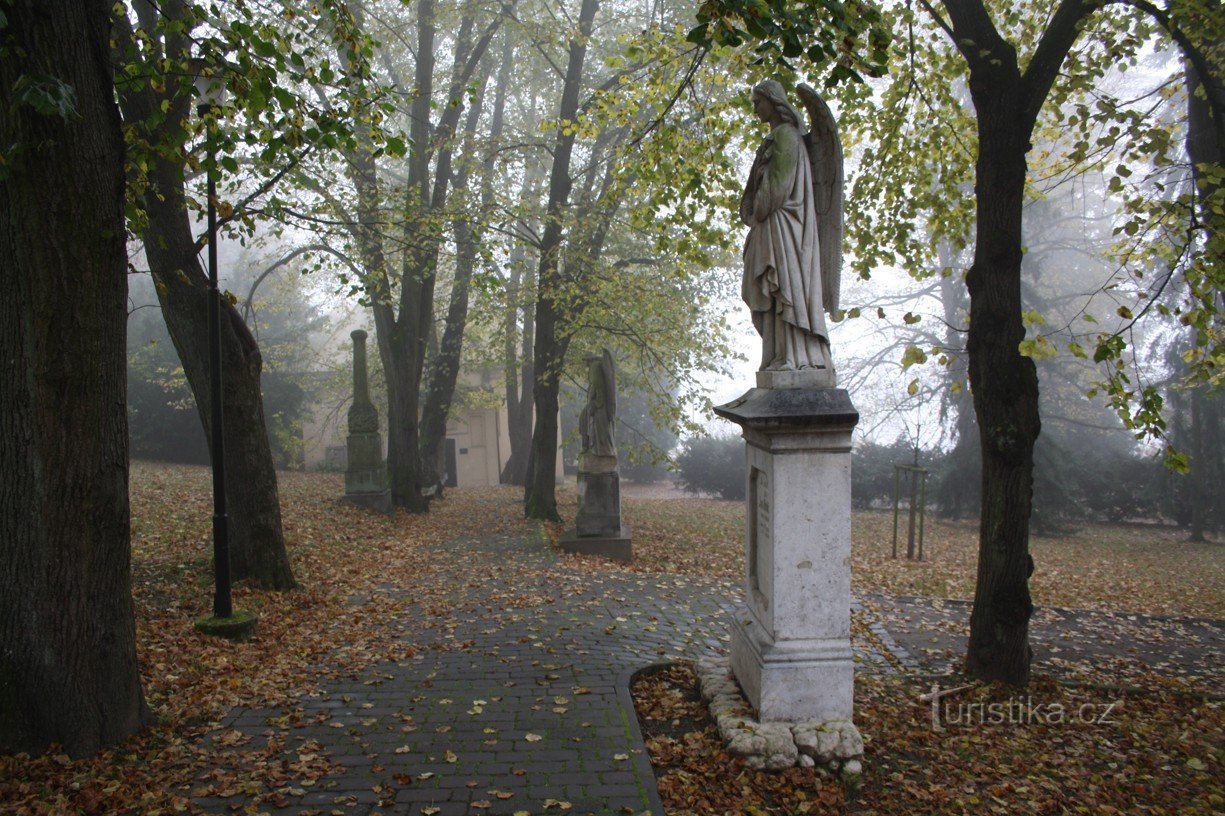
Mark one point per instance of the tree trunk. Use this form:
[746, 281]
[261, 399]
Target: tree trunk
[1199, 467]
[68, 668]
[1005, 388]
[1005, 383]
[519, 380]
[257, 543]
[518, 349]
[1205, 151]
[549, 352]
[403, 338]
[445, 370]
[403, 395]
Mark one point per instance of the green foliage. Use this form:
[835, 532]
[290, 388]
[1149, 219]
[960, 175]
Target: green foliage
[660, 177]
[917, 134]
[852, 38]
[712, 465]
[48, 95]
[298, 84]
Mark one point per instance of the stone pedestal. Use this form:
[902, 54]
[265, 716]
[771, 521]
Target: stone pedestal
[791, 645]
[597, 526]
[366, 474]
[599, 501]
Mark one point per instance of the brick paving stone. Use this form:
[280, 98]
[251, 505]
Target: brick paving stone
[554, 684]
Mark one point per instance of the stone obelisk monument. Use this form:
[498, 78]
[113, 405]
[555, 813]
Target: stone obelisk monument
[791, 647]
[366, 473]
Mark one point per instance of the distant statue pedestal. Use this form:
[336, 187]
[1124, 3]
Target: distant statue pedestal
[365, 473]
[597, 526]
[791, 646]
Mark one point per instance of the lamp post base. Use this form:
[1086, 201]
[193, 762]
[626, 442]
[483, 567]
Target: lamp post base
[238, 626]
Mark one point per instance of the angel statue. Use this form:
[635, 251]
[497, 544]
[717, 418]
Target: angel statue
[595, 422]
[792, 205]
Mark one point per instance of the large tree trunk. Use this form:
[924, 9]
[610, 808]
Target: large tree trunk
[257, 543]
[1205, 151]
[552, 337]
[68, 670]
[403, 382]
[1005, 383]
[1005, 399]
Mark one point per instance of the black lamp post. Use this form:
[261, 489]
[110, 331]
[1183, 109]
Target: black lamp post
[210, 96]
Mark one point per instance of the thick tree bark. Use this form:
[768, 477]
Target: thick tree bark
[257, 543]
[1005, 388]
[1205, 150]
[68, 669]
[1005, 383]
[549, 352]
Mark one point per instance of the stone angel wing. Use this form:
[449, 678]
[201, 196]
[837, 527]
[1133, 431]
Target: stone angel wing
[610, 383]
[825, 154]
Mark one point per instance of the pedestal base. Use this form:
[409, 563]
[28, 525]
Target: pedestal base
[599, 504]
[791, 644]
[792, 681]
[380, 502]
[802, 378]
[617, 546]
[365, 471]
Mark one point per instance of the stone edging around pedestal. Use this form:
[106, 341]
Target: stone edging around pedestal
[773, 746]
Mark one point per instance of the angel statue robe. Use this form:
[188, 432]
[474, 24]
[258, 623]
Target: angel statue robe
[782, 267]
[596, 419]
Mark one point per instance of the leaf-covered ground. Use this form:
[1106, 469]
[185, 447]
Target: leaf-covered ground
[1109, 753]
[310, 636]
[304, 637]
[1133, 739]
[1135, 568]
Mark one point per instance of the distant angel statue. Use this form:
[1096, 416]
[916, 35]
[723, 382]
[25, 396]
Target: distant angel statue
[792, 205]
[596, 419]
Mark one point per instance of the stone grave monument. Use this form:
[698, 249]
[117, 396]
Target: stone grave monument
[365, 473]
[790, 645]
[597, 527]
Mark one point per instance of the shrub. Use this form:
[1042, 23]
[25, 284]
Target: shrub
[712, 465]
